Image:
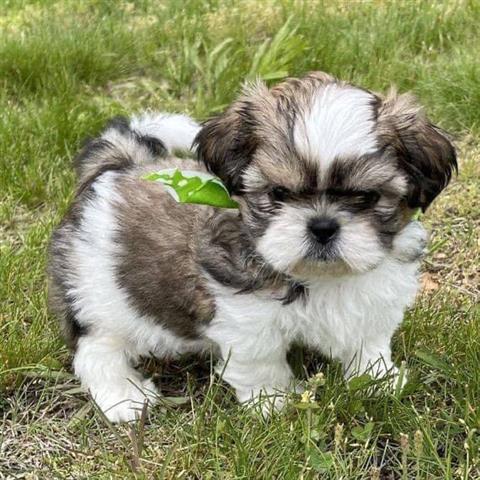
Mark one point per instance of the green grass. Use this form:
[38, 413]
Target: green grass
[65, 67]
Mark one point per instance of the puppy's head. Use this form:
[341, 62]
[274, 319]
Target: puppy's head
[326, 173]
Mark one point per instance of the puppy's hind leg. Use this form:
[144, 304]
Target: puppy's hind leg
[104, 365]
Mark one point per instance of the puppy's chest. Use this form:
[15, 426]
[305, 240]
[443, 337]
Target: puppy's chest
[334, 309]
[347, 306]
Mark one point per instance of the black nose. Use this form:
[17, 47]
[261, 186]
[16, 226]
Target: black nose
[324, 229]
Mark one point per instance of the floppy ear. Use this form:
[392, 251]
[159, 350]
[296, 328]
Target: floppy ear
[423, 150]
[226, 143]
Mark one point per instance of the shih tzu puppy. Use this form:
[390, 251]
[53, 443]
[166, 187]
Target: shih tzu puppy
[322, 250]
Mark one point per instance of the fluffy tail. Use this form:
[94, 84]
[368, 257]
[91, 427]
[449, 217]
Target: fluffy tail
[128, 142]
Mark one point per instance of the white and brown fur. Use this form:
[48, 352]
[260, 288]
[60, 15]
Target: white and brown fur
[322, 251]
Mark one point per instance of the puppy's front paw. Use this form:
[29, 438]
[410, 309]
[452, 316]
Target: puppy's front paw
[124, 403]
[410, 243]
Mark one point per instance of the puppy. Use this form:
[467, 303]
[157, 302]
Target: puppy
[322, 251]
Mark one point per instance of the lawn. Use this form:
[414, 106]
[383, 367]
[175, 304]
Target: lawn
[66, 67]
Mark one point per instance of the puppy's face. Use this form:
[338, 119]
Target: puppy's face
[326, 173]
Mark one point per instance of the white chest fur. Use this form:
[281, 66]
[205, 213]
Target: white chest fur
[349, 312]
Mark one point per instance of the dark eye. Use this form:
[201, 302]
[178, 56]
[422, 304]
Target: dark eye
[359, 199]
[369, 197]
[280, 194]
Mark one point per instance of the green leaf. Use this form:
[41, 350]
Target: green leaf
[360, 382]
[321, 461]
[174, 400]
[362, 433]
[189, 186]
[434, 361]
[355, 406]
[80, 414]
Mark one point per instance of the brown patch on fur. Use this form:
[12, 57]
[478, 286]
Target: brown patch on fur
[227, 253]
[227, 142]
[158, 267]
[423, 150]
